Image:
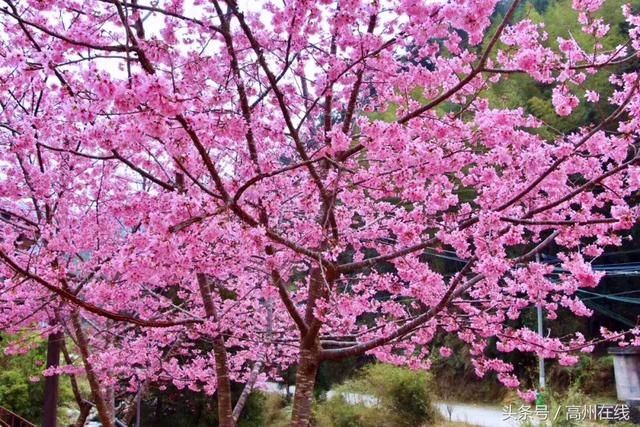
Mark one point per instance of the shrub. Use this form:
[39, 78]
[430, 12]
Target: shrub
[18, 392]
[403, 399]
[276, 411]
[253, 414]
[448, 373]
[591, 375]
[337, 412]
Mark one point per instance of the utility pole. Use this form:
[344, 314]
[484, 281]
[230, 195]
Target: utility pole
[540, 358]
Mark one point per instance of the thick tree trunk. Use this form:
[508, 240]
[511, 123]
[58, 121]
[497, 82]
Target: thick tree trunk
[103, 407]
[305, 382]
[225, 408]
[308, 362]
[50, 412]
[110, 398]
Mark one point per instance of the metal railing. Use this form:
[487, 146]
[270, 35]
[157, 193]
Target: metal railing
[9, 419]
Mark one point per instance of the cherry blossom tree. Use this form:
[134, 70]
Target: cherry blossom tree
[204, 192]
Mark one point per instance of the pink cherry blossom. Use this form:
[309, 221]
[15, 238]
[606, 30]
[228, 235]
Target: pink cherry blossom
[527, 395]
[275, 185]
[446, 352]
[592, 96]
[563, 101]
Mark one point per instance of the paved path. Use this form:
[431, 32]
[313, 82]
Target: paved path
[477, 415]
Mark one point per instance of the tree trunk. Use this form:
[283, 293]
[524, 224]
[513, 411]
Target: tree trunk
[103, 407]
[225, 408]
[85, 410]
[246, 391]
[308, 362]
[257, 367]
[305, 382]
[110, 398]
[83, 405]
[50, 412]
[132, 409]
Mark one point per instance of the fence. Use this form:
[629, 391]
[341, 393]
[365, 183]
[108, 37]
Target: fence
[9, 419]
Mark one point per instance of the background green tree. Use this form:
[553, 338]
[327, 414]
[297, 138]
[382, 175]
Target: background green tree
[561, 21]
[21, 382]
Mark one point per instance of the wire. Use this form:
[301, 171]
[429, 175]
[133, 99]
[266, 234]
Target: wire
[614, 294]
[609, 313]
[609, 297]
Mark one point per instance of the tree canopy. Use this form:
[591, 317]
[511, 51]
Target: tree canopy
[197, 193]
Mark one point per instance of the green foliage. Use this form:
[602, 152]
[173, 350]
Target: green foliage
[560, 20]
[555, 401]
[179, 408]
[587, 384]
[404, 399]
[253, 414]
[591, 375]
[333, 372]
[17, 392]
[389, 115]
[339, 413]
[276, 413]
[448, 373]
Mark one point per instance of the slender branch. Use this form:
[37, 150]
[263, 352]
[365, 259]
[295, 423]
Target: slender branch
[165, 12]
[474, 72]
[106, 48]
[280, 97]
[582, 188]
[69, 296]
[288, 302]
[242, 94]
[560, 222]
[144, 173]
[452, 293]
[204, 155]
[369, 262]
[613, 116]
[265, 175]
[404, 329]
